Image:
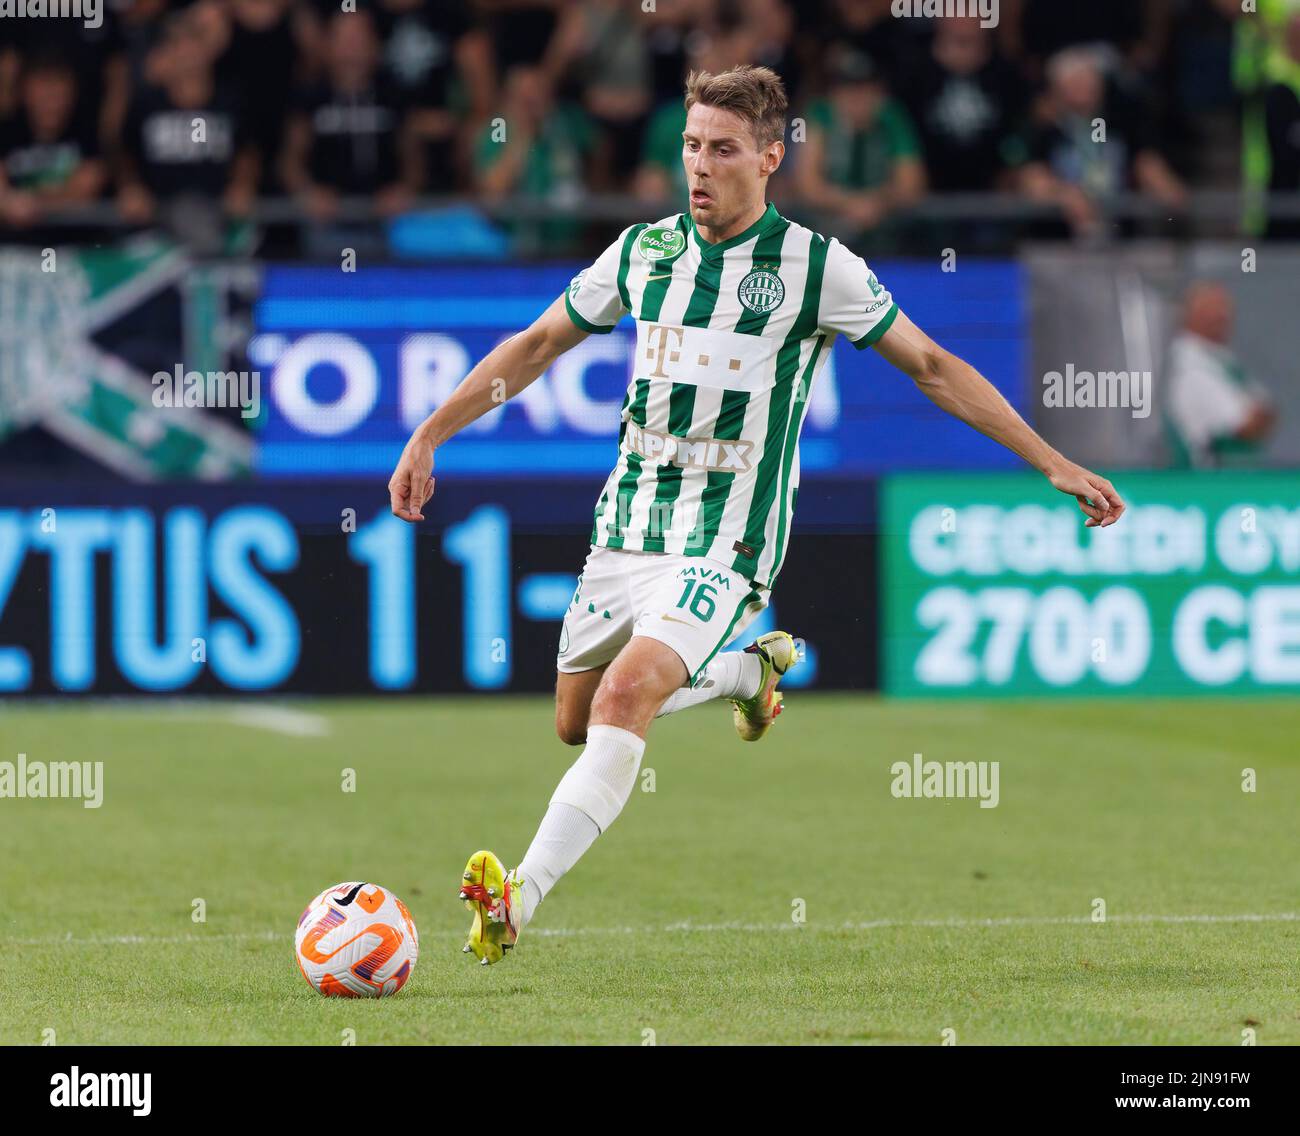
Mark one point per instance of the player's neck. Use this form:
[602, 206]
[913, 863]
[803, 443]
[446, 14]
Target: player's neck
[715, 235]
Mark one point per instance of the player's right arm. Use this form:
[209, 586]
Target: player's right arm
[595, 301]
[499, 376]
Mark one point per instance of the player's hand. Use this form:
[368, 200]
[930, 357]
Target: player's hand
[1096, 496]
[412, 483]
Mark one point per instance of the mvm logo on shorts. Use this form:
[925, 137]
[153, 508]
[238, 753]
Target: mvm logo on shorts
[689, 453]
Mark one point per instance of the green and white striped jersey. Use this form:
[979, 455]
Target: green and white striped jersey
[730, 339]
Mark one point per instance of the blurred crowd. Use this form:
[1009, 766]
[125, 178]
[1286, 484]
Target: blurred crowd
[188, 114]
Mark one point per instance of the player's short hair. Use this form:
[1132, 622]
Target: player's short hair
[756, 94]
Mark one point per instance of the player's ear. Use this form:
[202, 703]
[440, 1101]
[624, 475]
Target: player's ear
[772, 157]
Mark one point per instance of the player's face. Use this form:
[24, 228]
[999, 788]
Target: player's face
[725, 169]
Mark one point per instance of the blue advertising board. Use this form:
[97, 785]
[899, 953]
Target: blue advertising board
[240, 589]
[354, 360]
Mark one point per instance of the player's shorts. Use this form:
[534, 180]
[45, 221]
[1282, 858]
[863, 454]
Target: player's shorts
[694, 605]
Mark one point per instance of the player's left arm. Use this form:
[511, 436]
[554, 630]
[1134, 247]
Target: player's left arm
[853, 303]
[955, 386]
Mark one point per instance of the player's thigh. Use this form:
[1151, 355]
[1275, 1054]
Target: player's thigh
[574, 692]
[696, 607]
[636, 684]
[597, 625]
[598, 622]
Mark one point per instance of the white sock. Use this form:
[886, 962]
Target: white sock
[731, 674]
[563, 836]
[587, 801]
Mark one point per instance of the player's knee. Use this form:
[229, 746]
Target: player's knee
[620, 700]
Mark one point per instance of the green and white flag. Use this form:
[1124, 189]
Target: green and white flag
[53, 372]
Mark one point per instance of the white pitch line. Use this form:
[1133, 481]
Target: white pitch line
[957, 922]
[253, 715]
[281, 720]
[700, 928]
[138, 940]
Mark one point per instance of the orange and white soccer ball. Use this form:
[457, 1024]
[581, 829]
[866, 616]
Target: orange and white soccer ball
[356, 941]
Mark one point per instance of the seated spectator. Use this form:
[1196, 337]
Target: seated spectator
[49, 157]
[1071, 167]
[600, 48]
[868, 27]
[666, 44]
[94, 53]
[1216, 414]
[967, 102]
[861, 161]
[264, 45]
[185, 147]
[769, 26]
[348, 135]
[439, 58]
[540, 148]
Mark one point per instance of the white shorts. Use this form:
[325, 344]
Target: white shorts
[694, 605]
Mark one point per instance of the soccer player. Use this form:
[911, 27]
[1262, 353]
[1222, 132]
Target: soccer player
[736, 310]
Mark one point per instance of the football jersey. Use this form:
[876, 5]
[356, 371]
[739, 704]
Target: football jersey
[730, 338]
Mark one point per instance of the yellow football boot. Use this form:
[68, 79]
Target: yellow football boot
[777, 653]
[494, 896]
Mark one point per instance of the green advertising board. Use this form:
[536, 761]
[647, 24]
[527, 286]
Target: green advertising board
[991, 585]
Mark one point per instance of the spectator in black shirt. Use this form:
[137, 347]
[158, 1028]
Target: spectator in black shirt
[185, 139]
[264, 47]
[1091, 145]
[48, 155]
[869, 28]
[967, 102]
[348, 135]
[439, 58]
[95, 54]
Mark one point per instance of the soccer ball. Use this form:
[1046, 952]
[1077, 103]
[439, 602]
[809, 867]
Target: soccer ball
[356, 941]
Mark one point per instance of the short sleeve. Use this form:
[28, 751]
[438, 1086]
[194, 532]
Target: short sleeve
[854, 303]
[595, 299]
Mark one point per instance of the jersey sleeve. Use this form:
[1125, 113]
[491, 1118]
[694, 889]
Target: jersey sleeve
[853, 302]
[597, 297]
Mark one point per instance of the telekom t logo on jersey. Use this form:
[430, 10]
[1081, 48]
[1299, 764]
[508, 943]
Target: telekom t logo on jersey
[664, 342]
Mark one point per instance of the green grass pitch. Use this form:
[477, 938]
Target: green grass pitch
[921, 915]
